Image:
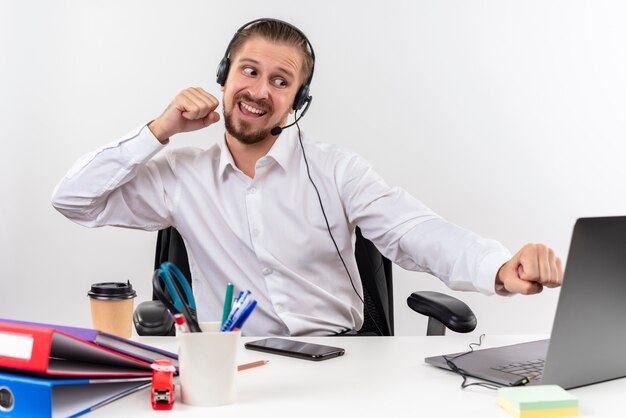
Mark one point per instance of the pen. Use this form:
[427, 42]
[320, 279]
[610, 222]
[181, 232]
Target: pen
[239, 295]
[230, 320]
[239, 321]
[228, 302]
[181, 324]
[252, 365]
[239, 304]
[243, 297]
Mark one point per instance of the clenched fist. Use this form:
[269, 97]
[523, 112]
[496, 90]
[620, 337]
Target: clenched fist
[532, 268]
[191, 110]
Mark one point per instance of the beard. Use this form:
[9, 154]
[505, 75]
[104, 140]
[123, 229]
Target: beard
[244, 132]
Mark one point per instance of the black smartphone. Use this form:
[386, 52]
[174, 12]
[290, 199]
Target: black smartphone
[307, 351]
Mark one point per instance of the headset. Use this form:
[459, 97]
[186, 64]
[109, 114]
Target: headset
[302, 96]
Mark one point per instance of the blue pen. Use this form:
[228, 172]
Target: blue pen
[243, 296]
[239, 305]
[238, 296]
[240, 302]
[230, 320]
[243, 317]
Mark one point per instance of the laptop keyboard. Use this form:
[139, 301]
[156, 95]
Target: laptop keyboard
[530, 368]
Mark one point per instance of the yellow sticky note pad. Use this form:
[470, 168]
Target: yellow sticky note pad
[542, 401]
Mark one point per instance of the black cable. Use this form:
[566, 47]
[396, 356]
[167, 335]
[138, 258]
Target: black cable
[319, 198]
[464, 375]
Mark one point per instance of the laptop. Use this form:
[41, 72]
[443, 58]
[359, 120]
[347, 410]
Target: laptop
[588, 340]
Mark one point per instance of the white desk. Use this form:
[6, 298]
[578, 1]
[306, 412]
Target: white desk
[377, 377]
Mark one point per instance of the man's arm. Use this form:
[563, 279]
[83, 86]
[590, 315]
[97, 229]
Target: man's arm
[104, 187]
[414, 237]
[115, 185]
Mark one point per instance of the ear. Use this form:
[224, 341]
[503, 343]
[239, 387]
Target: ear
[291, 111]
[222, 89]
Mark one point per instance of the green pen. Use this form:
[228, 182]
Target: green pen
[228, 302]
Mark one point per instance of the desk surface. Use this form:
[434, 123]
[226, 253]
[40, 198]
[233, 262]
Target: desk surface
[377, 376]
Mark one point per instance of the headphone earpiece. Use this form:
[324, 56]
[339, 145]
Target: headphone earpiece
[302, 96]
[222, 71]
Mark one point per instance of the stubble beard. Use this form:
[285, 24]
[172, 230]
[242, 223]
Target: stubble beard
[244, 132]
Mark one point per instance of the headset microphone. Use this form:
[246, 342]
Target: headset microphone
[277, 130]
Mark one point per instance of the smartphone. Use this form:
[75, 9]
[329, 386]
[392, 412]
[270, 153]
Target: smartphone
[307, 351]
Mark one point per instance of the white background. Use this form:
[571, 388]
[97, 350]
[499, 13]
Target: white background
[504, 117]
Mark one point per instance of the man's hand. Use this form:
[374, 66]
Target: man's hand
[191, 110]
[532, 268]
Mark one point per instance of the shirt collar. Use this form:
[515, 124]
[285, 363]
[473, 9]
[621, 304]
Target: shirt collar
[283, 149]
[281, 152]
[226, 158]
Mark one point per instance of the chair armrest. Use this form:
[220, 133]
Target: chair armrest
[153, 318]
[448, 310]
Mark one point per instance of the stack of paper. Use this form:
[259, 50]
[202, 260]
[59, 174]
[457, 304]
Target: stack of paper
[544, 401]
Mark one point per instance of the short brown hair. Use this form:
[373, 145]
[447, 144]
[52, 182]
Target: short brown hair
[279, 32]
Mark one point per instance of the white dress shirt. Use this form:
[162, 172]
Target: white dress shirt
[267, 233]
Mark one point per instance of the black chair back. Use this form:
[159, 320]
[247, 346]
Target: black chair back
[171, 247]
[376, 277]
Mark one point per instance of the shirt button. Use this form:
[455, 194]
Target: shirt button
[254, 232]
[279, 308]
[267, 271]
[252, 190]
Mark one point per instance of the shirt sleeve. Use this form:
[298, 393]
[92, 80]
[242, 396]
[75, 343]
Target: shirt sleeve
[412, 235]
[118, 185]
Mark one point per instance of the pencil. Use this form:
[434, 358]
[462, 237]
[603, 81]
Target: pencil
[252, 365]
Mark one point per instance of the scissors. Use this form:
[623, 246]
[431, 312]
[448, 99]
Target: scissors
[176, 295]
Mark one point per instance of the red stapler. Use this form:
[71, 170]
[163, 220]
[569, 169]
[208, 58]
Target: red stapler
[162, 393]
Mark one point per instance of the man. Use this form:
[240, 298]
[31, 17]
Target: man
[275, 212]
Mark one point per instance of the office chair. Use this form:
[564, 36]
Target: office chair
[443, 311]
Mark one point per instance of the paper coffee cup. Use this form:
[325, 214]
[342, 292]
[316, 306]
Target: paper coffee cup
[112, 307]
